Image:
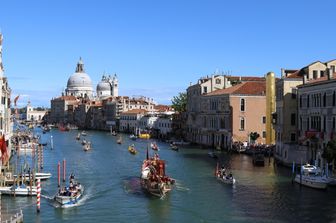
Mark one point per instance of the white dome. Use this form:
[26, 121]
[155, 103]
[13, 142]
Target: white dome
[79, 83]
[103, 86]
[79, 80]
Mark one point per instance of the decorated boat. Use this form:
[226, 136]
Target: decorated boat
[69, 196]
[153, 178]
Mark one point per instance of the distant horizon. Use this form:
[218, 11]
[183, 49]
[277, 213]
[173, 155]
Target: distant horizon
[157, 48]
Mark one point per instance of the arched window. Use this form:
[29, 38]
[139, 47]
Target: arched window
[242, 104]
[242, 124]
[334, 99]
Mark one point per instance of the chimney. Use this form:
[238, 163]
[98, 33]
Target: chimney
[283, 73]
[304, 79]
[330, 73]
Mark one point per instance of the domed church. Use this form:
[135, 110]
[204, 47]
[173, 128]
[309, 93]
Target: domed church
[108, 86]
[79, 83]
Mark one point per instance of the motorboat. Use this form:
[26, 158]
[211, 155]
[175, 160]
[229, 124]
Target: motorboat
[41, 176]
[212, 155]
[311, 176]
[19, 190]
[71, 195]
[133, 137]
[174, 147]
[83, 133]
[78, 136]
[87, 146]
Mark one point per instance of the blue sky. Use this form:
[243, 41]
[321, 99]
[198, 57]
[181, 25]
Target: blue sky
[157, 47]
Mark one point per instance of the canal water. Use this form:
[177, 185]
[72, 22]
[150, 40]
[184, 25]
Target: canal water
[110, 175]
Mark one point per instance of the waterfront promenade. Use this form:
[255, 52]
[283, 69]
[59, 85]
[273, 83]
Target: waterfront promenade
[113, 194]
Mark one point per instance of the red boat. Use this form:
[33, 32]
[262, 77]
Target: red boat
[153, 178]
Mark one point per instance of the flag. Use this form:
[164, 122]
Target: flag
[16, 99]
[3, 148]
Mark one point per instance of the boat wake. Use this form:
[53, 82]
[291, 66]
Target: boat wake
[132, 185]
[180, 187]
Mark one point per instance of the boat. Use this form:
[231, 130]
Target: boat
[132, 149]
[223, 175]
[19, 190]
[173, 147]
[63, 128]
[181, 143]
[258, 159]
[114, 133]
[311, 176]
[71, 195]
[41, 176]
[87, 146]
[144, 136]
[153, 178]
[84, 142]
[133, 137]
[119, 140]
[83, 133]
[154, 146]
[212, 155]
[78, 136]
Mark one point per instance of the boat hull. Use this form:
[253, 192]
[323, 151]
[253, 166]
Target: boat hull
[19, 191]
[69, 201]
[313, 182]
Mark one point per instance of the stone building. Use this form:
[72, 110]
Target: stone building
[291, 120]
[129, 120]
[34, 115]
[317, 111]
[6, 124]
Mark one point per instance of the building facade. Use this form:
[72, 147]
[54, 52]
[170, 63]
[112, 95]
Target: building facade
[6, 124]
[34, 115]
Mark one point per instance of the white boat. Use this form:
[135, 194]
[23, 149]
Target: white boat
[181, 143]
[310, 176]
[69, 196]
[41, 176]
[84, 133]
[87, 146]
[133, 137]
[22, 190]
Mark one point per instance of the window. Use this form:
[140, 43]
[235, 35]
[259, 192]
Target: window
[293, 136]
[300, 101]
[264, 119]
[264, 134]
[314, 74]
[218, 81]
[307, 101]
[332, 67]
[334, 123]
[205, 90]
[242, 104]
[294, 93]
[334, 99]
[321, 73]
[324, 99]
[293, 119]
[242, 124]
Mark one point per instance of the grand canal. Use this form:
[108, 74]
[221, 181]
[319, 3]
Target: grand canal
[113, 194]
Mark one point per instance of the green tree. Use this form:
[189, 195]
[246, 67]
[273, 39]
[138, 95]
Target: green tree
[254, 136]
[329, 152]
[180, 102]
